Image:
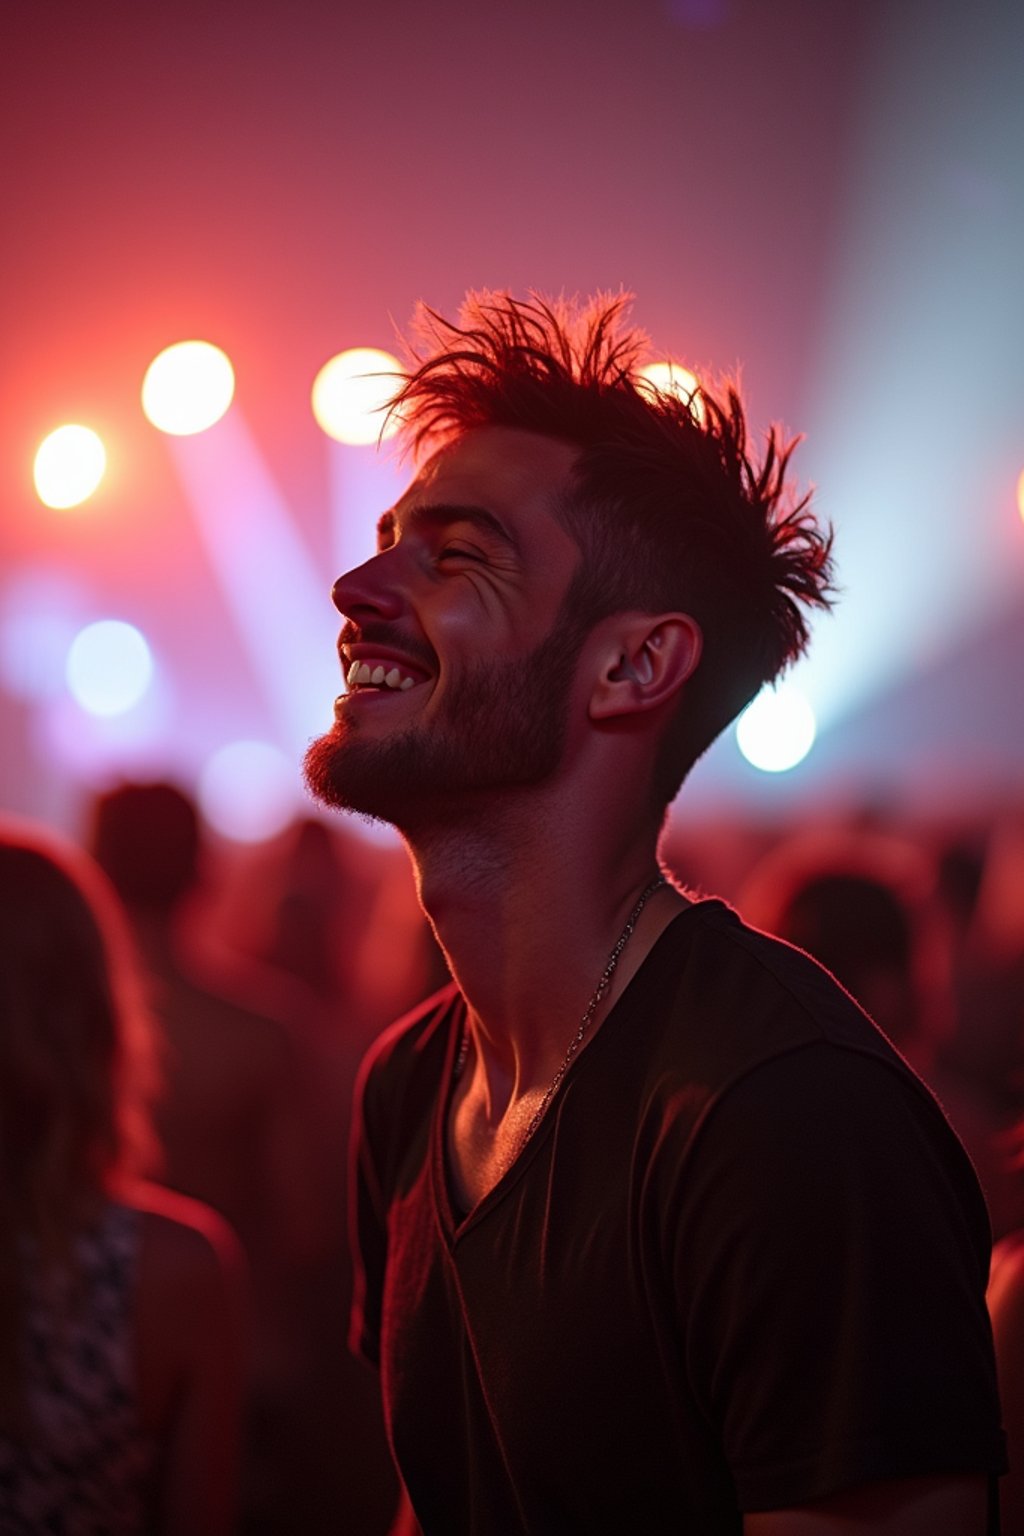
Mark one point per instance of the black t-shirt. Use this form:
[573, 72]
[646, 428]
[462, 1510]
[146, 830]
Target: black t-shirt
[740, 1265]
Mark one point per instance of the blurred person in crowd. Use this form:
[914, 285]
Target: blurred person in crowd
[336, 919]
[990, 972]
[250, 1122]
[231, 1072]
[861, 903]
[645, 1206]
[121, 1303]
[961, 867]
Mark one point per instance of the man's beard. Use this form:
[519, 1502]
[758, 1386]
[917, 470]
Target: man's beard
[503, 725]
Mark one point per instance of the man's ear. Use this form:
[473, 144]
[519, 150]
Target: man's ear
[644, 663]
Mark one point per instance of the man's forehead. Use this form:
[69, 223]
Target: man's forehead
[501, 467]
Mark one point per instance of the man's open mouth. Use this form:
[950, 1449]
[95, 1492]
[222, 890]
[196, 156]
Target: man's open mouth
[379, 674]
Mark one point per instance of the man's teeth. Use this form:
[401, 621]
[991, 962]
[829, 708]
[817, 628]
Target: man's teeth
[361, 674]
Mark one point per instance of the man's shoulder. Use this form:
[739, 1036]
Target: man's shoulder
[398, 1086]
[763, 1061]
[764, 989]
[410, 1052]
[722, 999]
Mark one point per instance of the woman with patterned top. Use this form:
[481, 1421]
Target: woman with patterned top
[121, 1332]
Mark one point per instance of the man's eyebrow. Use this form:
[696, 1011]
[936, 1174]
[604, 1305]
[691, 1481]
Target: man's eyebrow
[444, 512]
[385, 525]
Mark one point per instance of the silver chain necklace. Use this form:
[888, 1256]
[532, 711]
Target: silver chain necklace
[600, 992]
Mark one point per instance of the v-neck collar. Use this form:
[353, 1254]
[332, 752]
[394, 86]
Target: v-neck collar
[453, 1223]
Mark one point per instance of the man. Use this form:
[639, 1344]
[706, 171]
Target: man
[655, 1231]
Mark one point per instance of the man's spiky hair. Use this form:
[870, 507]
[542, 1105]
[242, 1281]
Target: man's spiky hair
[667, 503]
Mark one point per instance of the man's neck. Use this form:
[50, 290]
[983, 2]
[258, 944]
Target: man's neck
[527, 924]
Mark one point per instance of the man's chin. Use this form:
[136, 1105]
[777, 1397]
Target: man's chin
[345, 778]
[322, 769]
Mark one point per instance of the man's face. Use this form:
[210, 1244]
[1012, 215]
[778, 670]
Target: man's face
[458, 661]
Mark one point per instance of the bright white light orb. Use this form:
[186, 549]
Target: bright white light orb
[777, 730]
[248, 791]
[351, 392]
[69, 465]
[187, 388]
[672, 379]
[109, 667]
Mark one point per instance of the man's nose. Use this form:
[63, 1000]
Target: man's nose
[369, 589]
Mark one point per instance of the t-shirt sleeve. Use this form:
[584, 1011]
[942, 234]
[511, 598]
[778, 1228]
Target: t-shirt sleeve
[830, 1251]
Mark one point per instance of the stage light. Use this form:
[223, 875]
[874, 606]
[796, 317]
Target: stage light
[187, 388]
[777, 730]
[69, 465]
[673, 379]
[109, 667]
[350, 393]
[248, 791]
[1020, 494]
